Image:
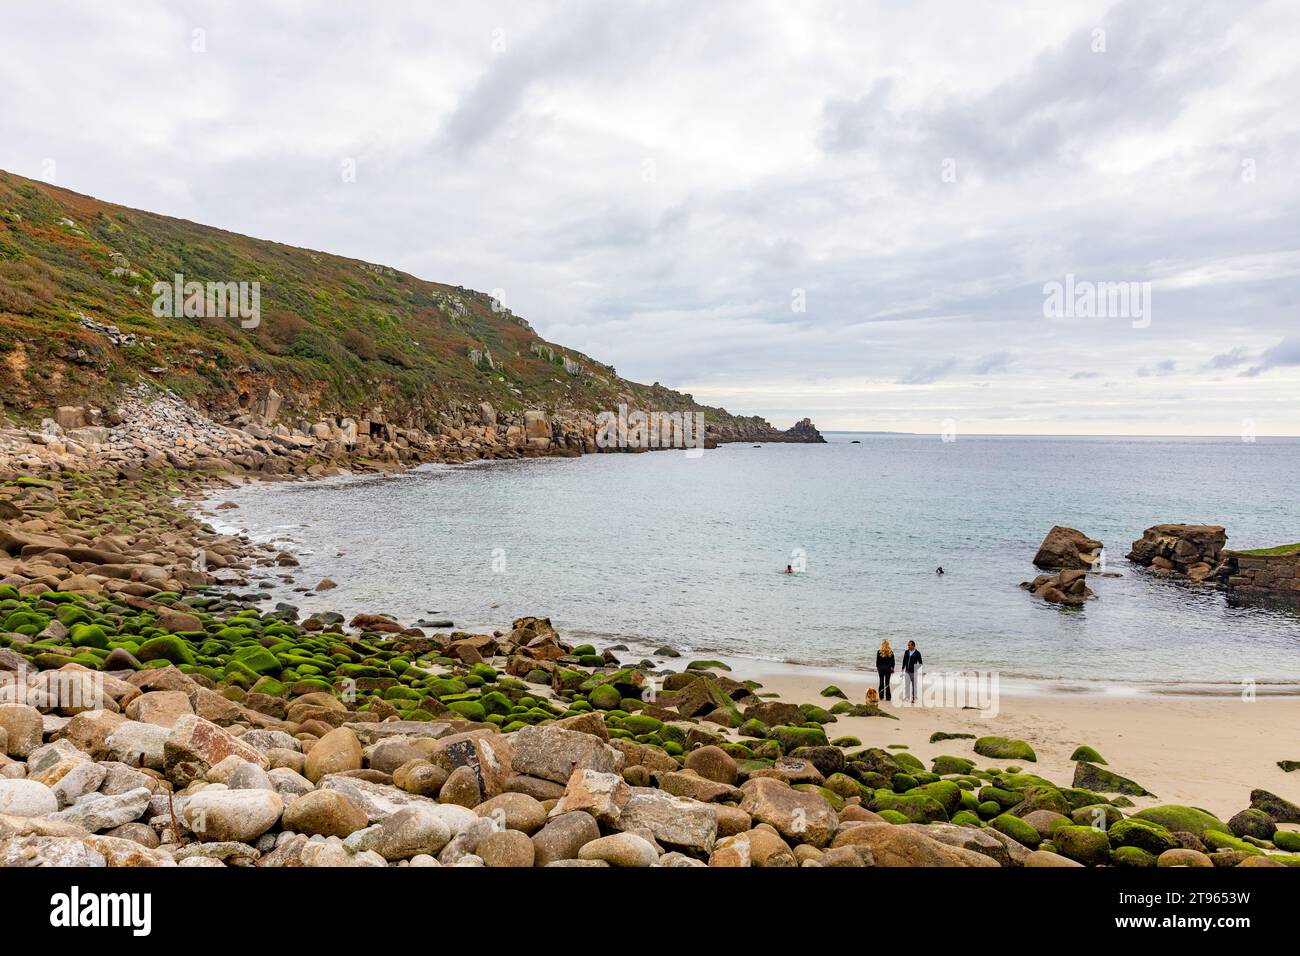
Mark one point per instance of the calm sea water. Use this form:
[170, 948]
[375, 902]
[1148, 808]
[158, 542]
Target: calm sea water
[660, 548]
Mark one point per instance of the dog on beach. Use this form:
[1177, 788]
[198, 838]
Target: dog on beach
[873, 696]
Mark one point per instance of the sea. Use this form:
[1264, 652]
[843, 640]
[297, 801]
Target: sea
[688, 550]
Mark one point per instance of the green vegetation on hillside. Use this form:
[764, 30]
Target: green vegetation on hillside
[335, 335]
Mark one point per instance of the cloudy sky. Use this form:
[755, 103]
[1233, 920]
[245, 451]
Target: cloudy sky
[847, 210]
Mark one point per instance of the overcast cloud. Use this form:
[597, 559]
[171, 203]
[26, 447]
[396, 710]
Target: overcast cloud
[842, 210]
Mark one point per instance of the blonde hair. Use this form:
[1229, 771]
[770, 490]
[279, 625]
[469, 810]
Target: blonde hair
[886, 649]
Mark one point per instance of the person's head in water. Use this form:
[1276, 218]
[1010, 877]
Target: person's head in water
[885, 649]
[939, 569]
[789, 570]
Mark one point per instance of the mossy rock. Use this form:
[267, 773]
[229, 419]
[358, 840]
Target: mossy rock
[844, 742]
[1003, 798]
[469, 709]
[790, 738]
[916, 807]
[940, 735]
[1288, 840]
[1092, 777]
[830, 796]
[168, 647]
[833, 691]
[1222, 840]
[1148, 836]
[258, 659]
[707, 665]
[640, 724]
[1177, 818]
[1042, 798]
[737, 751]
[1084, 752]
[946, 793]
[1085, 845]
[1132, 857]
[944, 765]
[965, 818]
[1004, 748]
[817, 715]
[89, 635]
[1081, 798]
[269, 686]
[605, 697]
[903, 782]
[909, 762]
[893, 816]
[845, 786]
[1017, 829]
[1101, 815]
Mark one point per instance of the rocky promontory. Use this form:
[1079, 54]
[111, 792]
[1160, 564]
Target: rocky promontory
[1189, 551]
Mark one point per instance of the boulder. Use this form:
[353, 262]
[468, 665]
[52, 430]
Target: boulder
[563, 836]
[893, 845]
[1067, 548]
[798, 816]
[1178, 547]
[324, 813]
[27, 798]
[621, 849]
[676, 822]
[195, 745]
[98, 812]
[411, 831]
[242, 816]
[338, 751]
[602, 795]
[553, 753]
[23, 727]
[488, 756]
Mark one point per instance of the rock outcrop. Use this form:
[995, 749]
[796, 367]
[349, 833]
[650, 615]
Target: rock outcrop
[1262, 577]
[1068, 587]
[1068, 548]
[1190, 551]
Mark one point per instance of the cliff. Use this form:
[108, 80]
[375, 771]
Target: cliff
[334, 340]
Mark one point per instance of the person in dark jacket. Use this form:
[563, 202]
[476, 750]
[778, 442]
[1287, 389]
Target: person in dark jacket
[911, 664]
[885, 668]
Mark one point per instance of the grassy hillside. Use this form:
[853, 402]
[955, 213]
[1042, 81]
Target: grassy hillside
[336, 334]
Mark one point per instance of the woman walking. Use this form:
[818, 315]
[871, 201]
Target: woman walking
[885, 668]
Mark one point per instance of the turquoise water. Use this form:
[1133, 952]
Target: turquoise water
[660, 548]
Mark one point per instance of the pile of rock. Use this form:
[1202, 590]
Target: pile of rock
[83, 536]
[1068, 587]
[1189, 551]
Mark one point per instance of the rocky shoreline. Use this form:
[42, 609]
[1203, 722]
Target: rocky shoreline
[152, 429]
[155, 713]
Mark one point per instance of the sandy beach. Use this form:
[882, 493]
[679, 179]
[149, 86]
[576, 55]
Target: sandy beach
[1203, 751]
